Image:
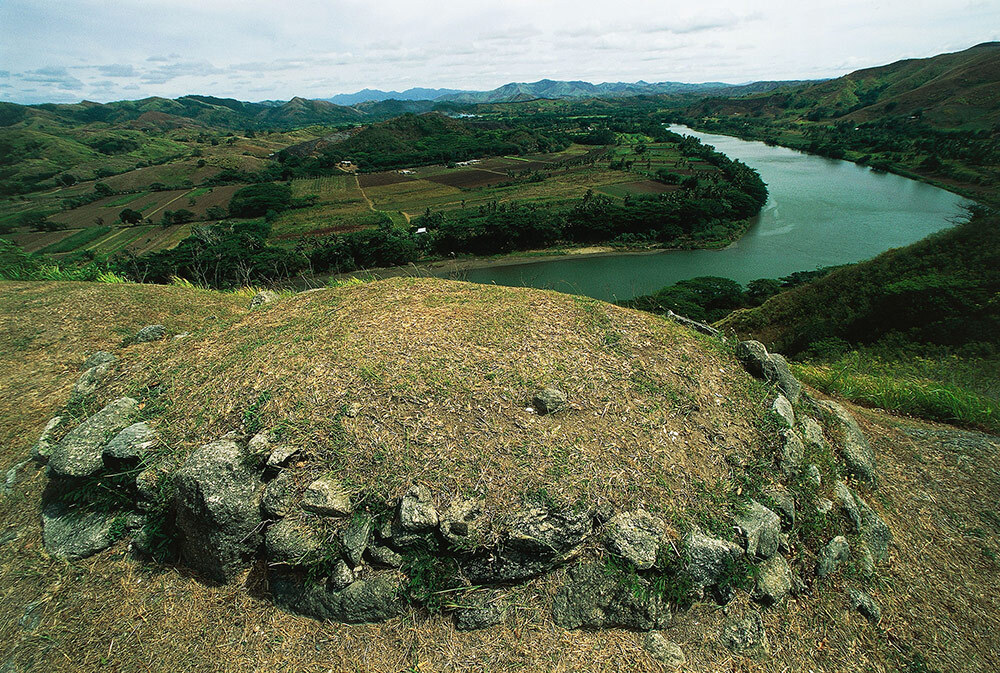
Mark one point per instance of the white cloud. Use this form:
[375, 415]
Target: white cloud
[315, 48]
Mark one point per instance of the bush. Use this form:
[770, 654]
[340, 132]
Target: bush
[257, 200]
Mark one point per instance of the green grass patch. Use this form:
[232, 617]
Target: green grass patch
[77, 240]
[948, 389]
[128, 198]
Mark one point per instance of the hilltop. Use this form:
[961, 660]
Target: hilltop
[384, 384]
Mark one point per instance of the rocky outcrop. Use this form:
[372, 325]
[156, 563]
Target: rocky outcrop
[293, 541]
[770, 367]
[664, 651]
[635, 536]
[42, 450]
[593, 598]
[746, 635]
[218, 511]
[549, 401]
[865, 604]
[79, 454]
[416, 509]
[701, 327]
[857, 454]
[127, 449]
[372, 600]
[832, 555]
[97, 359]
[72, 535]
[149, 333]
[760, 529]
[709, 559]
[263, 297]
[774, 581]
[327, 497]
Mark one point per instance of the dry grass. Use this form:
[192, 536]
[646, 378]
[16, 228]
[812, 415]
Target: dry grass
[442, 371]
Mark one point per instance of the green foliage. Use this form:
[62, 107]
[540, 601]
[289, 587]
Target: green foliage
[706, 298]
[157, 530]
[431, 578]
[257, 200]
[100, 493]
[129, 216]
[253, 418]
[75, 241]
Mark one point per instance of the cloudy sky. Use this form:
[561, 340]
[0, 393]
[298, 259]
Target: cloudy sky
[69, 50]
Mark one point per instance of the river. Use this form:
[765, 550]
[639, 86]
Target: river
[820, 212]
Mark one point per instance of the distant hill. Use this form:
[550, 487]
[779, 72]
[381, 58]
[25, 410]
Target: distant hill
[375, 95]
[547, 88]
[960, 89]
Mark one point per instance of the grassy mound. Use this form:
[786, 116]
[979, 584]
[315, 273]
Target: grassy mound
[405, 379]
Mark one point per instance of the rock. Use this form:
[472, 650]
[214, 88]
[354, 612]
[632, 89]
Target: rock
[279, 496]
[830, 557]
[354, 538]
[874, 530]
[416, 509]
[784, 505]
[130, 446]
[709, 559]
[858, 456]
[281, 454]
[150, 333]
[263, 297]
[147, 488]
[866, 605]
[218, 512]
[594, 599]
[10, 479]
[842, 496]
[549, 401]
[478, 617]
[461, 524]
[46, 442]
[505, 566]
[341, 576]
[753, 356]
[746, 635]
[813, 475]
[88, 382]
[813, 433]
[292, 541]
[97, 359]
[548, 533]
[824, 506]
[79, 452]
[635, 536]
[72, 534]
[32, 616]
[774, 581]
[777, 372]
[760, 528]
[382, 555]
[327, 497]
[181, 336]
[693, 324]
[781, 411]
[663, 650]
[373, 600]
[792, 452]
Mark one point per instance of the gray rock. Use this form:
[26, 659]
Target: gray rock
[150, 333]
[857, 454]
[693, 324]
[218, 509]
[97, 359]
[813, 474]
[281, 454]
[784, 505]
[88, 382]
[746, 635]
[595, 599]
[506, 566]
[549, 401]
[147, 488]
[416, 509]
[32, 616]
[777, 372]
[279, 496]
[354, 539]
[635, 536]
[753, 356]
[866, 605]
[663, 650]
[815, 441]
[782, 412]
[792, 452]
[327, 497]
[263, 297]
[46, 442]
[462, 523]
[874, 530]
[824, 506]
[383, 555]
[341, 576]
[10, 479]
[478, 617]
[79, 452]
[774, 581]
[832, 555]
[72, 534]
[293, 541]
[843, 497]
[760, 528]
[373, 600]
[130, 446]
[549, 534]
[709, 559]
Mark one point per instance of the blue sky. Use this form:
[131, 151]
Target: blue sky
[70, 50]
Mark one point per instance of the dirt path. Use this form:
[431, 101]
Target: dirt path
[363, 195]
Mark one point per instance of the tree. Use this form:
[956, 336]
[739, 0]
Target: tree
[257, 200]
[129, 216]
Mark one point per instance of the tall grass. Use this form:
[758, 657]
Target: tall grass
[946, 388]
